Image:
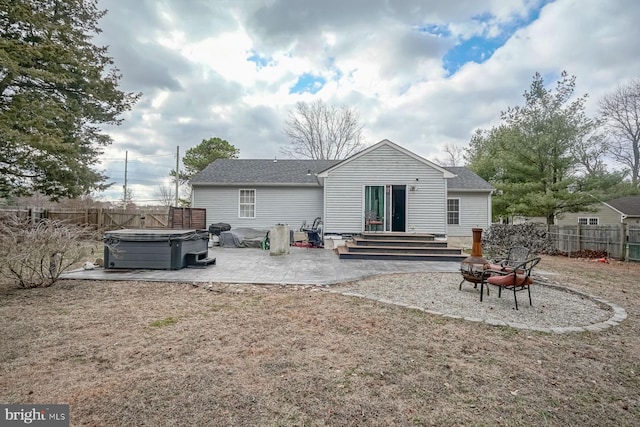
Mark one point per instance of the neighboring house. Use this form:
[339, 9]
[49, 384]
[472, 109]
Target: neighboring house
[612, 212]
[525, 219]
[401, 190]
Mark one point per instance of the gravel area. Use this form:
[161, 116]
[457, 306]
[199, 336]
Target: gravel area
[554, 309]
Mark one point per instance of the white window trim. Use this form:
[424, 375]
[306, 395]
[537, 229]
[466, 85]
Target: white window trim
[588, 220]
[255, 199]
[458, 211]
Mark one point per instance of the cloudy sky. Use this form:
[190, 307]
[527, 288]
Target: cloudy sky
[421, 73]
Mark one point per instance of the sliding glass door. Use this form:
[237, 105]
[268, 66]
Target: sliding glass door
[374, 208]
[385, 208]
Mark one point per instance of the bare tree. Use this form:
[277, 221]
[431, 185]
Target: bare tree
[165, 195]
[128, 197]
[589, 150]
[454, 156]
[319, 131]
[621, 111]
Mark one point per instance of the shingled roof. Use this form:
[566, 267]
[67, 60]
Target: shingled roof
[466, 180]
[265, 172]
[629, 205]
[302, 172]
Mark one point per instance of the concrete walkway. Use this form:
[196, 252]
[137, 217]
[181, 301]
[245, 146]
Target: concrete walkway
[303, 266]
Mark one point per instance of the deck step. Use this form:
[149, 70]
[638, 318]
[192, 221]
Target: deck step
[400, 246]
[399, 241]
[402, 249]
[345, 252]
[399, 236]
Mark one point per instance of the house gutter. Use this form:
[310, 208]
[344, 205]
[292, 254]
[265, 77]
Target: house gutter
[254, 184]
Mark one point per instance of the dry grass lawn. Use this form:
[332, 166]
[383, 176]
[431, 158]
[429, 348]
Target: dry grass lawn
[156, 354]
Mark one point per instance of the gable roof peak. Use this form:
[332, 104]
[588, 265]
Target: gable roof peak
[385, 142]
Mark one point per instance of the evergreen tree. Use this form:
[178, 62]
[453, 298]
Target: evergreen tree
[199, 157]
[57, 90]
[530, 157]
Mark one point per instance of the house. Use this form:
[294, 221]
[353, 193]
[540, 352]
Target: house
[384, 184]
[623, 210]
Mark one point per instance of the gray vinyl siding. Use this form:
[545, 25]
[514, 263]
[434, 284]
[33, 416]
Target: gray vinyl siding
[605, 215]
[474, 212]
[274, 205]
[344, 191]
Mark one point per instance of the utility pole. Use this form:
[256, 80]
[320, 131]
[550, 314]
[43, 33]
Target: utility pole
[177, 173]
[126, 156]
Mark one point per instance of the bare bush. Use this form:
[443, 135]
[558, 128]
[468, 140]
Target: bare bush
[35, 253]
[500, 237]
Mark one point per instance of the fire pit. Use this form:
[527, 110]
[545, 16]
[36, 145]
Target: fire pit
[473, 267]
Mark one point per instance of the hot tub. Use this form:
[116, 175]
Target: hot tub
[154, 249]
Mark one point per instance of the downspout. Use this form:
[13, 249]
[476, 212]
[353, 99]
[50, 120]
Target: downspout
[625, 238]
[321, 181]
[490, 209]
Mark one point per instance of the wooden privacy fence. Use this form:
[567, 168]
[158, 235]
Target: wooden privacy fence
[188, 218]
[101, 219]
[618, 241]
[116, 219]
[633, 243]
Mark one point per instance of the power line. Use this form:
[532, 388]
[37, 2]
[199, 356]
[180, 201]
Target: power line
[139, 157]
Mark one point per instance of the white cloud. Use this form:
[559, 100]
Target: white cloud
[191, 63]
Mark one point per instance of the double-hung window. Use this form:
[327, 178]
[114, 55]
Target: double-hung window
[588, 221]
[247, 204]
[453, 211]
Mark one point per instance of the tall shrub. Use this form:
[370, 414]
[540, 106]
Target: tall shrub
[34, 253]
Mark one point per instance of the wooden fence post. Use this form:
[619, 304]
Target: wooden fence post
[578, 238]
[100, 219]
[623, 240]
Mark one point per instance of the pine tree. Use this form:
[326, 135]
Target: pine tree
[57, 90]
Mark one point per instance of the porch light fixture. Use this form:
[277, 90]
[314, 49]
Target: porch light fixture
[308, 172]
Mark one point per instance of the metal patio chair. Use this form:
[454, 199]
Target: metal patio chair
[515, 256]
[518, 278]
